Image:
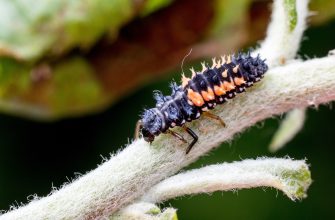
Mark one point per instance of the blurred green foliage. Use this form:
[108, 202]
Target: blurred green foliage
[35, 37]
[324, 10]
[57, 26]
[154, 5]
[227, 14]
[87, 92]
[13, 77]
[70, 88]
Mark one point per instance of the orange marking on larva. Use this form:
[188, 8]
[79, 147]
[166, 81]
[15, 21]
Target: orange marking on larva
[209, 95]
[184, 80]
[219, 91]
[195, 97]
[235, 69]
[227, 86]
[239, 81]
[225, 73]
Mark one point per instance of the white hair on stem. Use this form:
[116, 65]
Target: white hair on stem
[144, 211]
[291, 177]
[285, 31]
[284, 34]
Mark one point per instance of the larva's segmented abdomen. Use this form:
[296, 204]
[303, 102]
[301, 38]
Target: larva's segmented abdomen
[213, 85]
[223, 80]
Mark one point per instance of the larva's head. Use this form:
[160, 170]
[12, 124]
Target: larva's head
[255, 67]
[152, 124]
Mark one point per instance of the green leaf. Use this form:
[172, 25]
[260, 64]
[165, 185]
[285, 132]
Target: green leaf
[291, 9]
[50, 91]
[296, 182]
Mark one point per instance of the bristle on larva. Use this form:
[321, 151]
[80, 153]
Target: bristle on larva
[228, 76]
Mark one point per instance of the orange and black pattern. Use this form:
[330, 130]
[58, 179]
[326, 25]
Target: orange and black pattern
[213, 85]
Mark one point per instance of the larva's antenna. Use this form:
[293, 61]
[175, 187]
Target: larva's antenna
[182, 62]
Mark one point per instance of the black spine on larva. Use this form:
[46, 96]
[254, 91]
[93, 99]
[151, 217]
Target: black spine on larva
[238, 73]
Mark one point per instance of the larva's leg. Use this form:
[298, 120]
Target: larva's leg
[175, 134]
[137, 129]
[194, 136]
[218, 118]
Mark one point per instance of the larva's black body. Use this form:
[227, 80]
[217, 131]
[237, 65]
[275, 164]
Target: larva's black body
[213, 85]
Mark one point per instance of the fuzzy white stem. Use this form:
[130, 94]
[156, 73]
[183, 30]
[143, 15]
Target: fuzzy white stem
[130, 173]
[285, 31]
[291, 177]
[281, 45]
[145, 211]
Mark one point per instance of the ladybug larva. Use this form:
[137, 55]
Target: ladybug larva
[213, 85]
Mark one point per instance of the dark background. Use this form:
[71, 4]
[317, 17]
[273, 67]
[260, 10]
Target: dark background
[35, 156]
